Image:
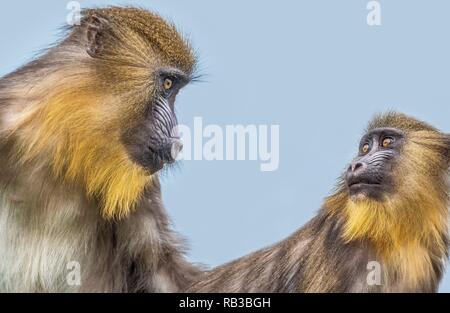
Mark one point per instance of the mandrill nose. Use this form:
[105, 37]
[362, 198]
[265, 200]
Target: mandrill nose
[175, 149]
[356, 166]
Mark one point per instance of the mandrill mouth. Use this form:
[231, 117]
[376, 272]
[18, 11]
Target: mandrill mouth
[367, 185]
[362, 181]
[163, 154]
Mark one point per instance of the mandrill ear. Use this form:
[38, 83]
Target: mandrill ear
[96, 30]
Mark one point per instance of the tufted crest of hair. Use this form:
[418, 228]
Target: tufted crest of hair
[134, 35]
[72, 106]
[415, 213]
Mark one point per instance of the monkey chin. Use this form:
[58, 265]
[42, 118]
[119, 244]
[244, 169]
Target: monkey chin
[364, 197]
[159, 166]
[159, 158]
[155, 168]
[359, 197]
[366, 192]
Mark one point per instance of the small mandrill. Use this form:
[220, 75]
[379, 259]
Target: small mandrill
[84, 130]
[385, 229]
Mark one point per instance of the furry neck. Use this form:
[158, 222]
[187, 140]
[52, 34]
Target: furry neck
[408, 237]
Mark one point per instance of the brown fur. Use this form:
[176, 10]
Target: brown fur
[406, 233]
[68, 189]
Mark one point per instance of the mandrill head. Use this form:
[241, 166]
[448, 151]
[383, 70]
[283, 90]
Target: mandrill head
[101, 104]
[396, 188]
[145, 62]
[398, 154]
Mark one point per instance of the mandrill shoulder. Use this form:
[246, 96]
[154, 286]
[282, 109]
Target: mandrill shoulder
[331, 264]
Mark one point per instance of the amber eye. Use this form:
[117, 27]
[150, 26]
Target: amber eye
[387, 142]
[168, 83]
[365, 148]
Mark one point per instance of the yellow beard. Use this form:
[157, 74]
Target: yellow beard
[404, 238]
[77, 133]
[390, 226]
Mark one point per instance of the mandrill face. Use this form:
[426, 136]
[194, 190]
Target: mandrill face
[154, 140]
[371, 173]
[142, 62]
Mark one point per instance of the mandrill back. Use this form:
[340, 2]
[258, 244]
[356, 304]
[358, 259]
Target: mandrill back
[84, 130]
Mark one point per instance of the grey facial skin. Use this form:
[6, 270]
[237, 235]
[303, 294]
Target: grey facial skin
[154, 141]
[370, 173]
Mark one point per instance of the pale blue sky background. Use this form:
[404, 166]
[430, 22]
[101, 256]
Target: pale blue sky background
[313, 67]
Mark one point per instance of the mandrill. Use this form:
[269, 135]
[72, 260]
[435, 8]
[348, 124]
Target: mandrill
[84, 130]
[385, 229]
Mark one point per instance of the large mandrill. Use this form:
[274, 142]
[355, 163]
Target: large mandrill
[385, 229]
[84, 129]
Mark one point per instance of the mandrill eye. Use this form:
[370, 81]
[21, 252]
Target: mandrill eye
[365, 148]
[387, 142]
[168, 83]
